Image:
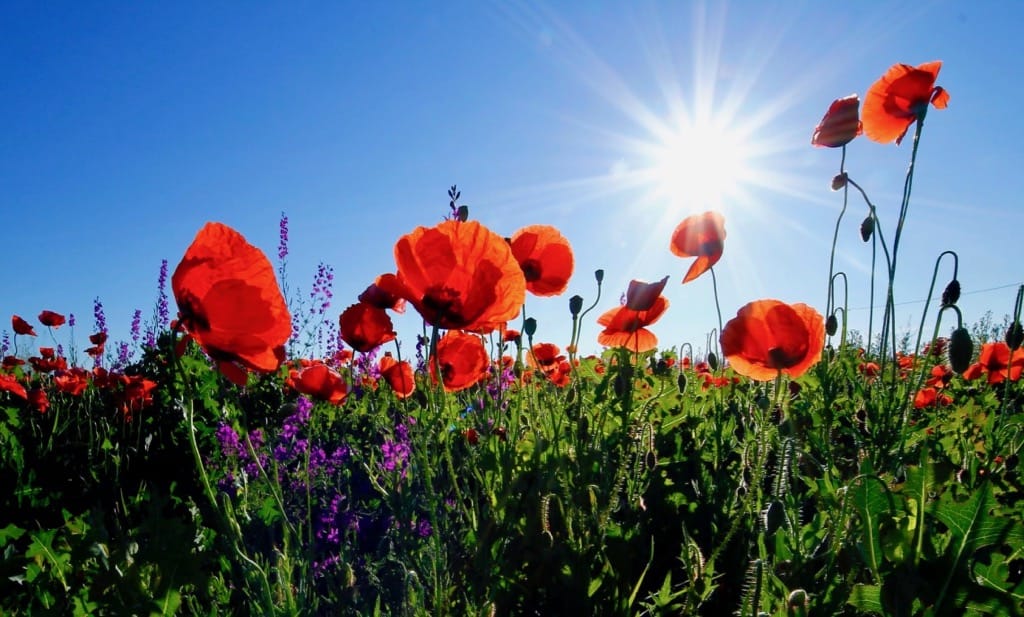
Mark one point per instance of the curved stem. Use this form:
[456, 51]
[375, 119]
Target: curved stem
[835, 234]
[931, 289]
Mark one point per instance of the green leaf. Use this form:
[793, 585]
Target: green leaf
[10, 532]
[973, 526]
[867, 598]
[872, 501]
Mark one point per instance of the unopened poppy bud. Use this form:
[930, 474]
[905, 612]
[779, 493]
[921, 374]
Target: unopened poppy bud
[681, 382]
[713, 361]
[867, 228]
[462, 213]
[961, 350]
[599, 275]
[797, 598]
[951, 293]
[774, 517]
[575, 305]
[831, 325]
[1014, 336]
[530, 326]
[839, 181]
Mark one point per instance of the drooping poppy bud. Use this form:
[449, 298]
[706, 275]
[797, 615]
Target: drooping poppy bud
[774, 517]
[462, 214]
[831, 325]
[961, 349]
[839, 181]
[867, 228]
[681, 382]
[1014, 336]
[599, 275]
[951, 293]
[529, 326]
[713, 361]
[575, 305]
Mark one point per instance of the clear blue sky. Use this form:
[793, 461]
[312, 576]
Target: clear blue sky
[127, 126]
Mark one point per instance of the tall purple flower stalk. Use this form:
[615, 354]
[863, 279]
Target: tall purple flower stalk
[5, 343]
[162, 313]
[99, 325]
[282, 244]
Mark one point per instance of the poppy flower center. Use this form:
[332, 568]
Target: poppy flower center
[780, 357]
[711, 247]
[443, 301]
[531, 269]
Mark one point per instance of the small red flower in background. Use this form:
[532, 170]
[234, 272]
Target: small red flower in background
[996, 361]
[769, 336]
[460, 275]
[898, 98]
[463, 361]
[931, 397]
[47, 361]
[21, 326]
[840, 124]
[230, 302]
[399, 375]
[383, 293]
[73, 381]
[38, 399]
[365, 327]
[9, 384]
[546, 358]
[51, 319]
[135, 395]
[320, 382]
[701, 236]
[625, 327]
[869, 370]
[99, 340]
[545, 258]
[940, 376]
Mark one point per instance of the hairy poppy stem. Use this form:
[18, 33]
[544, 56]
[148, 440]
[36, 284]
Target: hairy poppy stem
[714, 286]
[931, 289]
[835, 234]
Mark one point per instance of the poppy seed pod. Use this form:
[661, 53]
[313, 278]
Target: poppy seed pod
[575, 305]
[462, 213]
[867, 228]
[951, 293]
[839, 181]
[713, 361]
[1014, 336]
[961, 350]
[831, 325]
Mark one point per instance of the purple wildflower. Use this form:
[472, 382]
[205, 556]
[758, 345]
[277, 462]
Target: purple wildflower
[423, 528]
[230, 445]
[282, 245]
[5, 343]
[71, 320]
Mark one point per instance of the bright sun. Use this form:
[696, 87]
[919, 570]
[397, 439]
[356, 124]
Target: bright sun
[697, 166]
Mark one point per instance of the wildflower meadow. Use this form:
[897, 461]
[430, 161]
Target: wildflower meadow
[243, 454]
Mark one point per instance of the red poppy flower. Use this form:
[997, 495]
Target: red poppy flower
[73, 382]
[896, 100]
[21, 326]
[460, 275]
[320, 382]
[365, 327]
[384, 293]
[230, 303]
[701, 236]
[38, 399]
[136, 394]
[545, 258]
[840, 124]
[51, 319]
[624, 327]
[9, 384]
[996, 361]
[399, 376]
[769, 336]
[640, 296]
[928, 397]
[463, 361]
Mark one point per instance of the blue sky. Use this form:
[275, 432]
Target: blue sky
[126, 127]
